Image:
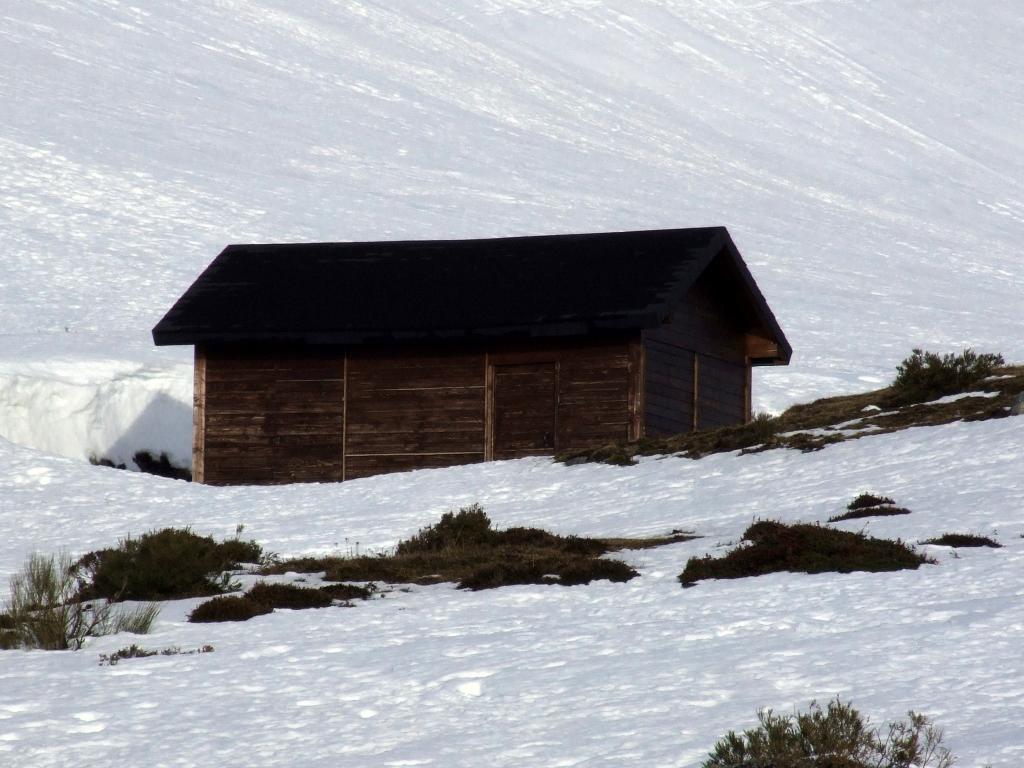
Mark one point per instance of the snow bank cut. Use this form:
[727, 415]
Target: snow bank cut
[104, 409]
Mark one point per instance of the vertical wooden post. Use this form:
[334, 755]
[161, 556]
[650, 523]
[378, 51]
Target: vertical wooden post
[748, 408]
[344, 413]
[558, 401]
[199, 416]
[636, 390]
[696, 391]
[488, 408]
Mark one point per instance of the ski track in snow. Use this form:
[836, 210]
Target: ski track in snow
[869, 172]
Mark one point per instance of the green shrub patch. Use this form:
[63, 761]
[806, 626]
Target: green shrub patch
[464, 548]
[867, 500]
[288, 596]
[870, 505]
[963, 540]
[228, 608]
[836, 737]
[882, 511]
[167, 564]
[234, 552]
[926, 376]
[568, 570]
[802, 548]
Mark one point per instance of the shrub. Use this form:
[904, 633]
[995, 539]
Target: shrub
[963, 540]
[869, 505]
[229, 608]
[46, 609]
[235, 551]
[288, 596]
[837, 737]
[348, 591]
[925, 375]
[167, 564]
[160, 466]
[857, 514]
[802, 548]
[464, 548]
[867, 500]
[566, 571]
[470, 526]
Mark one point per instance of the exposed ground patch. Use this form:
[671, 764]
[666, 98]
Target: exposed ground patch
[963, 540]
[464, 548]
[773, 546]
[870, 505]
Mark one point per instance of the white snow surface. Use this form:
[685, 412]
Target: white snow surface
[868, 159]
[637, 674]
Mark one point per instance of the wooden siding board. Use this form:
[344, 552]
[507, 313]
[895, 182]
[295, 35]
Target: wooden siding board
[404, 407]
[361, 413]
[668, 380]
[722, 393]
[595, 394]
[273, 417]
[525, 409]
[698, 361]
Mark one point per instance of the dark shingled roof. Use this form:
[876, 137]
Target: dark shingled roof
[352, 293]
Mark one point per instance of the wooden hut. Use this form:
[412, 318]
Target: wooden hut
[333, 361]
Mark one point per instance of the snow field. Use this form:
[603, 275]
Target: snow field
[867, 158]
[642, 673]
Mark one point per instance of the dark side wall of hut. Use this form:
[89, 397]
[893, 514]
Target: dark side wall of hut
[697, 364]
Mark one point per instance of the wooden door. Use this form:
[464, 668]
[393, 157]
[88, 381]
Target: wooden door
[524, 409]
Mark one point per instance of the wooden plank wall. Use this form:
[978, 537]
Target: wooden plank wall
[668, 375]
[306, 415]
[594, 398]
[413, 408]
[525, 409]
[696, 368]
[273, 418]
[721, 394]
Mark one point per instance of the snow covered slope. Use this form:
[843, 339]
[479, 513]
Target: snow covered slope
[868, 159]
[638, 674]
[867, 156]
